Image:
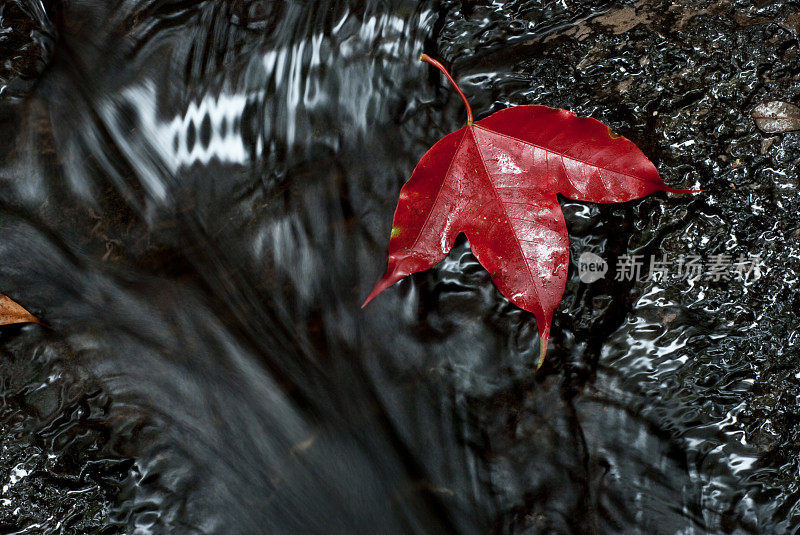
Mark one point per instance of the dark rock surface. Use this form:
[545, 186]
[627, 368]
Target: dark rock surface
[27, 37]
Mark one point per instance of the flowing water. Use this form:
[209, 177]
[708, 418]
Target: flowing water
[196, 196]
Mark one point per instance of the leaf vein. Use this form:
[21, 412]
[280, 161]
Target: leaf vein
[441, 187]
[562, 155]
[513, 230]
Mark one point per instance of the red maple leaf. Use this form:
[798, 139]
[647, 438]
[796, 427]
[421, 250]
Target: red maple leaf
[496, 181]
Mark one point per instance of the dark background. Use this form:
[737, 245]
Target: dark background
[197, 196]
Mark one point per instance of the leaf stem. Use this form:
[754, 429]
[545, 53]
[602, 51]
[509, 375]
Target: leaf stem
[428, 59]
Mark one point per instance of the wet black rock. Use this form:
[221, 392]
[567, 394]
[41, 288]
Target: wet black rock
[27, 37]
[61, 467]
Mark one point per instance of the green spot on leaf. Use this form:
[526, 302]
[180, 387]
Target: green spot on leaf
[395, 232]
[612, 134]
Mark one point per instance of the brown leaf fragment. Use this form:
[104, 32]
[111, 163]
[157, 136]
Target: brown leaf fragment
[776, 117]
[11, 312]
[792, 23]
